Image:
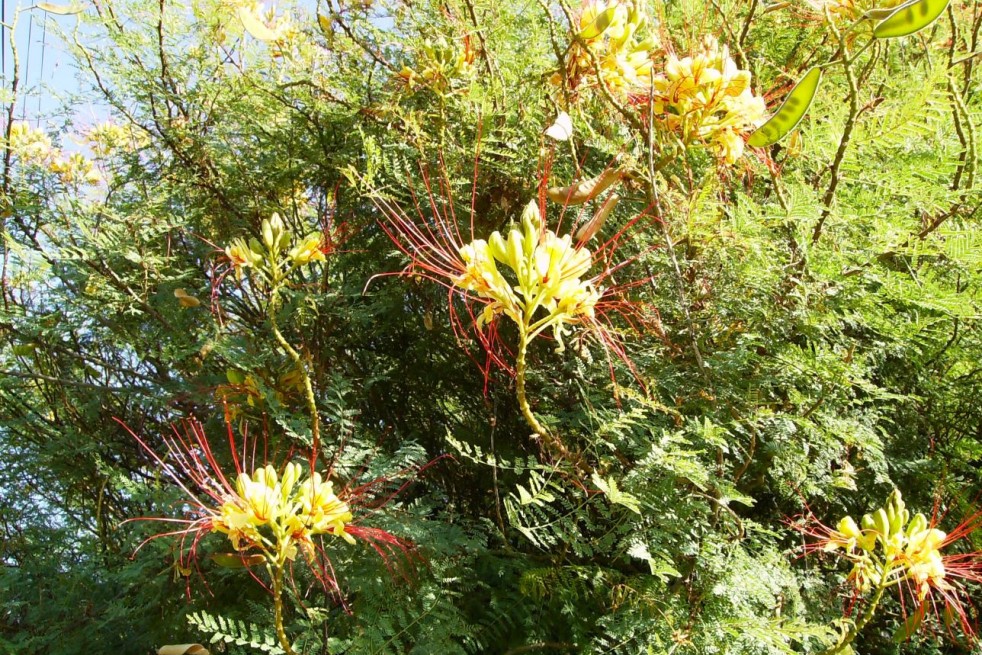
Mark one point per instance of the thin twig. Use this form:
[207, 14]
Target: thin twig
[840, 152]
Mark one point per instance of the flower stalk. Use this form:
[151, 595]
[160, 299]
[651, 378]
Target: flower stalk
[301, 363]
[520, 372]
[277, 576]
[275, 261]
[853, 631]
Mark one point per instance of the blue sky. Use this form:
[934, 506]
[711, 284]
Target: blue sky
[47, 74]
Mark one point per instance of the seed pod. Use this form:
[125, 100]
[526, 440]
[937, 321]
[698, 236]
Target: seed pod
[879, 13]
[577, 194]
[910, 18]
[791, 112]
[255, 26]
[589, 229]
[599, 24]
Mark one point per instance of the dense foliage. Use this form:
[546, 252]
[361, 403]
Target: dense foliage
[769, 338]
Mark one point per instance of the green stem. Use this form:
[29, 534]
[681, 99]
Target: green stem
[520, 369]
[315, 423]
[857, 627]
[278, 610]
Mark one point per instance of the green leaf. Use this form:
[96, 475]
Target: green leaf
[615, 495]
[910, 625]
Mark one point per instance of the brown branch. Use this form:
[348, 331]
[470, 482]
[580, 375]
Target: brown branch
[840, 152]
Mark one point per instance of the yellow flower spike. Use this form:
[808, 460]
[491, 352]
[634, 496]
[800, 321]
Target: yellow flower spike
[548, 269]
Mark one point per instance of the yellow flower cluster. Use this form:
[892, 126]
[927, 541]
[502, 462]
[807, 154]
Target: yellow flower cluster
[440, 63]
[34, 147]
[262, 23]
[267, 256]
[706, 99]
[609, 31]
[74, 168]
[30, 144]
[909, 548]
[108, 138]
[290, 510]
[548, 269]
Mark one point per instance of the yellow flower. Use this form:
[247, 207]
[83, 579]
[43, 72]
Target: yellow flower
[608, 30]
[321, 511]
[923, 557]
[292, 511]
[32, 145]
[74, 168]
[308, 250]
[242, 254]
[705, 99]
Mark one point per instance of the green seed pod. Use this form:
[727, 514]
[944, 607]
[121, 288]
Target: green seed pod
[910, 18]
[791, 112]
[879, 13]
[599, 24]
